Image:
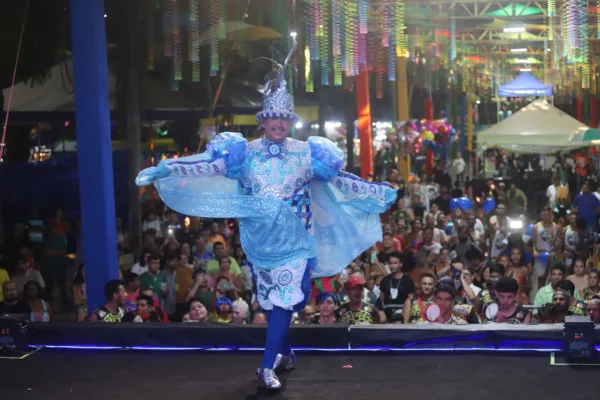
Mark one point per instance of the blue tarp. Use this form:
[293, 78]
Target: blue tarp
[54, 184]
[524, 85]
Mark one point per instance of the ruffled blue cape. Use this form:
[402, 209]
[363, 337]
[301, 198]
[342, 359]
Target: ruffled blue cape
[345, 209]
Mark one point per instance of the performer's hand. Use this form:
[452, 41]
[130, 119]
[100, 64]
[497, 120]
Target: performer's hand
[152, 174]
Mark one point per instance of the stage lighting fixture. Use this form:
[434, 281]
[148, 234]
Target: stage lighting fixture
[579, 340]
[13, 332]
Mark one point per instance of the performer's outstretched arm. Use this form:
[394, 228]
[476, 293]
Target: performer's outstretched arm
[327, 162]
[225, 155]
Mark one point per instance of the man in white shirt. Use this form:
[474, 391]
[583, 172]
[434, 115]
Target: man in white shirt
[458, 169]
[552, 189]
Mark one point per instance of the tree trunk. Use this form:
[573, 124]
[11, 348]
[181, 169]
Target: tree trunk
[133, 125]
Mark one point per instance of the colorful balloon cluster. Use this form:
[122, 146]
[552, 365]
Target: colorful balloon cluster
[424, 134]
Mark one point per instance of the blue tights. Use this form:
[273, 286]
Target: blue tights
[278, 340]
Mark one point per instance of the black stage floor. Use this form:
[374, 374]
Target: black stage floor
[133, 375]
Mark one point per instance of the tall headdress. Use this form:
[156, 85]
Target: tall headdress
[277, 102]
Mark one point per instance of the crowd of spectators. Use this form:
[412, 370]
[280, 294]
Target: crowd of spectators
[435, 264]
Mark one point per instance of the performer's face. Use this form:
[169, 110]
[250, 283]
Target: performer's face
[276, 129]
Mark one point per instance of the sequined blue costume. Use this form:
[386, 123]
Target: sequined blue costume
[300, 214]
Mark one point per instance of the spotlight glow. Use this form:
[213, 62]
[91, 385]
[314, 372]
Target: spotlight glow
[514, 29]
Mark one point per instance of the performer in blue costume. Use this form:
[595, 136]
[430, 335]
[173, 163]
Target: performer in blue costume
[301, 216]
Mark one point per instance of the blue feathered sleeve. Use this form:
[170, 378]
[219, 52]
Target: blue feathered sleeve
[326, 158]
[225, 155]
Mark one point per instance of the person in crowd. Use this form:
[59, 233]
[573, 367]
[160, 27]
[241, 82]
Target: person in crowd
[417, 207]
[239, 312]
[499, 239]
[488, 293]
[306, 315]
[518, 271]
[587, 206]
[41, 310]
[356, 310]
[578, 275]
[560, 301]
[196, 312]
[11, 303]
[386, 247]
[215, 236]
[507, 290]
[571, 238]
[442, 267]
[426, 241]
[25, 271]
[592, 289]
[552, 190]
[414, 306]
[169, 276]
[132, 287]
[213, 266]
[245, 267]
[402, 212]
[226, 271]
[394, 288]
[200, 289]
[543, 236]
[516, 200]
[79, 293]
[200, 252]
[55, 263]
[593, 310]
[467, 291]
[153, 279]
[443, 200]
[114, 308]
[171, 245]
[186, 258]
[148, 291]
[368, 296]
[222, 311]
[141, 266]
[450, 312]
[327, 303]
[259, 318]
[151, 222]
[144, 311]
[576, 307]
[544, 295]
[546, 314]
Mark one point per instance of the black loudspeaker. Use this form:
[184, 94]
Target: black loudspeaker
[579, 340]
[13, 332]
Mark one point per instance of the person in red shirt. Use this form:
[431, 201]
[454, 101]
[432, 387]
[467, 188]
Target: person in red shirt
[582, 165]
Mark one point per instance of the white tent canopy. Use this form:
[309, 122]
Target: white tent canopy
[536, 128]
[56, 94]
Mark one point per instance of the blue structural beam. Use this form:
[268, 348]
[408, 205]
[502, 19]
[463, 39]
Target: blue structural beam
[94, 147]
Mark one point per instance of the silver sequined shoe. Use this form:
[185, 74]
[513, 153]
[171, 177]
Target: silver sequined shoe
[268, 379]
[284, 363]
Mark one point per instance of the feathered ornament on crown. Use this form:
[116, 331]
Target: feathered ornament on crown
[277, 102]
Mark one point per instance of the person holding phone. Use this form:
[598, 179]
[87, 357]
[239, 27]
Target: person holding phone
[300, 215]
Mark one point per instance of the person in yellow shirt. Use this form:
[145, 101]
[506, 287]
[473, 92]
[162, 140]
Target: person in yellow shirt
[3, 278]
[222, 311]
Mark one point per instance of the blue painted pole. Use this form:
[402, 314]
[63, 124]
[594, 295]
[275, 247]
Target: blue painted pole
[94, 147]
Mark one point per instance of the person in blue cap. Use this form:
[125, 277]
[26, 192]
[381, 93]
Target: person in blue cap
[301, 216]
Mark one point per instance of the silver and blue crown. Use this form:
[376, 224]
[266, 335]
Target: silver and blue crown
[277, 102]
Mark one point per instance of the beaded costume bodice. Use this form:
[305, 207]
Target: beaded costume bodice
[278, 170]
[283, 171]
